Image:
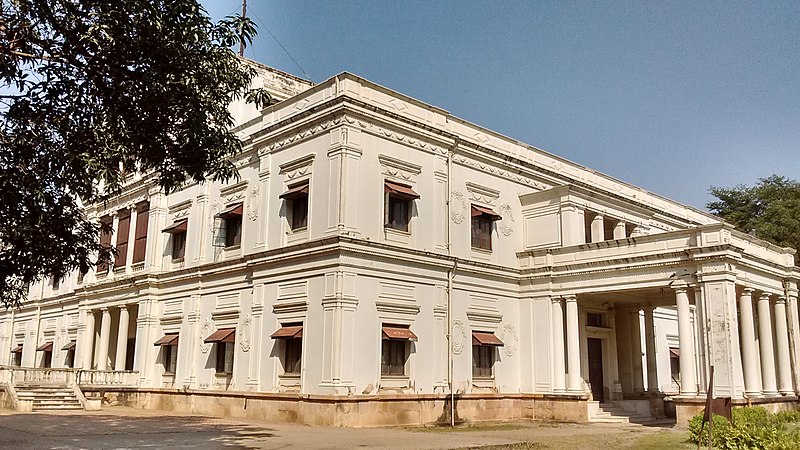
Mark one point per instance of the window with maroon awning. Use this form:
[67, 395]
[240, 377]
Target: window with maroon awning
[231, 211]
[289, 331]
[296, 191]
[485, 338]
[70, 345]
[46, 347]
[398, 332]
[17, 349]
[168, 340]
[226, 335]
[480, 211]
[179, 226]
[142, 221]
[123, 229]
[399, 190]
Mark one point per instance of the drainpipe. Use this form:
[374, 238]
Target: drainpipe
[451, 274]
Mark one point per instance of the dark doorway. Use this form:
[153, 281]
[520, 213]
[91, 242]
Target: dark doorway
[129, 353]
[595, 350]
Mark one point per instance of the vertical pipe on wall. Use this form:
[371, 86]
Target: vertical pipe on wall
[450, 276]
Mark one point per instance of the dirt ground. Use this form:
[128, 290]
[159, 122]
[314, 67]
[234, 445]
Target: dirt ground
[118, 427]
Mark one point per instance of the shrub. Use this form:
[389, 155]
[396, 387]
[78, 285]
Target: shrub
[752, 427]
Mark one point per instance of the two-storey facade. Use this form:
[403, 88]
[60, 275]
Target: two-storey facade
[382, 261]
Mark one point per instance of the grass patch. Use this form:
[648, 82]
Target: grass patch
[664, 440]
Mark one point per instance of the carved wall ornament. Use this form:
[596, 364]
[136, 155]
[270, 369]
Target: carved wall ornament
[508, 334]
[399, 169]
[298, 167]
[213, 211]
[252, 204]
[507, 224]
[244, 334]
[459, 336]
[482, 194]
[208, 328]
[458, 204]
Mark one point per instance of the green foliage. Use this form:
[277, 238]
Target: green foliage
[91, 90]
[770, 210]
[752, 427]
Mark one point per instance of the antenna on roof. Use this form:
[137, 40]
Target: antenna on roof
[241, 38]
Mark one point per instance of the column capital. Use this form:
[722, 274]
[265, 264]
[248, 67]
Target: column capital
[679, 286]
[765, 296]
[105, 310]
[123, 307]
[570, 298]
[556, 300]
[748, 291]
[780, 299]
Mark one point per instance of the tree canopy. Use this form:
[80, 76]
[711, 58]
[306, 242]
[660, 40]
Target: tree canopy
[91, 90]
[770, 210]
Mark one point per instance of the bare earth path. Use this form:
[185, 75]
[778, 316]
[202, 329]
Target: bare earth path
[117, 427]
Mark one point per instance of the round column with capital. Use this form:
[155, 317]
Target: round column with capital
[559, 365]
[122, 338]
[573, 348]
[650, 349]
[685, 342]
[88, 346]
[105, 335]
[750, 365]
[782, 342]
[768, 381]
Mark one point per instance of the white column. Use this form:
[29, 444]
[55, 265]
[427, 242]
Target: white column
[122, 338]
[769, 384]
[650, 349]
[88, 346]
[573, 346]
[619, 230]
[598, 230]
[105, 332]
[752, 382]
[686, 344]
[636, 351]
[559, 365]
[782, 342]
[794, 341]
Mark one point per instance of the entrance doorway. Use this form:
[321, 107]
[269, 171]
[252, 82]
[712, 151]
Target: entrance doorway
[595, 353]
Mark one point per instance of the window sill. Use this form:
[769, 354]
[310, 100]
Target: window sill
[120, 269]
[233, 247]
[395, 382]
[398, 236]
[223, 374]
[300, 234]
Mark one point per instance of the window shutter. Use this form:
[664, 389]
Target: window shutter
[142, 220]
[123, 229]
[105, 243]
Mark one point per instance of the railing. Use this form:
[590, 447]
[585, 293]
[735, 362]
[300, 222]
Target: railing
[126, 378]
[23, 375]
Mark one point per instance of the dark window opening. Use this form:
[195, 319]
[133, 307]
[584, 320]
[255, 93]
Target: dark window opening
[394, 355]
[224, 358]
[595, 319]
[292, 355]
[397, 205]
[297, 205]
[482, 361]
[105, 243]
[675, 364]
[169, 355]
[123, 229]
[482, 220]
[178, 245]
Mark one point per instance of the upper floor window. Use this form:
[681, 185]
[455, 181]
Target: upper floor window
[178, 237]
[123, 229]
[297, 205]
[482, 219]
[397, 205]
[105, 243]
[140, 235]
[230, 231]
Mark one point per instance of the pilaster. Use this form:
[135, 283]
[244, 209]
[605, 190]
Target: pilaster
[338, 310]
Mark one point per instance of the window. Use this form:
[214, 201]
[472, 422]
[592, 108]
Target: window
[395, 349]
[397, 204]
[169, 352]
[47, 354]
[292, 336]
[297, 205]
[16, 356]
[123, 229]
[483, 353]
[595, 319]
[482, 219]
[55, 282]
[230, 232]
[178, 237]
[105, 243]
[140, 236]
[675, 364]
[69, 359]
[224, 358]
[223, 340]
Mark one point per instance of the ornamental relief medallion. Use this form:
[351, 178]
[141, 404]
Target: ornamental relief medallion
[208, 328]
[507, 224]
[508, 334]
[459, 336]
[214, 209]
[244, 334]
[457, 206]
[252, 204]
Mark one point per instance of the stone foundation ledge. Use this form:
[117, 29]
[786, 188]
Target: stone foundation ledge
[351, 411]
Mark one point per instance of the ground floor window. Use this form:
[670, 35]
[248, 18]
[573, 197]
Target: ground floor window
[169, 355]
[483, 353]
[675, 364]
[47, 359]
[292, 355]
[16, 356]
[393, 357]
[69, 360]
[224, 357]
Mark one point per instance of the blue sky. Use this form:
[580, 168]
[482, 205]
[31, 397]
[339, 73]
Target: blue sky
[670, 96]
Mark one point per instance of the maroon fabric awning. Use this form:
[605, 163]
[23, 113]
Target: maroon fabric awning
[168, 339]
[227, 335]
[400, 333]
[483, 338]
[46, 347]
[288, 332]
[675, 352]
[230, 211]
[399, 190]
[70, 345]
[18, 349]
[485, 212]
[295, 191]
[179, 226]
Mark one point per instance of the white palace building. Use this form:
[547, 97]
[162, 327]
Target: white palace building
[381, 261]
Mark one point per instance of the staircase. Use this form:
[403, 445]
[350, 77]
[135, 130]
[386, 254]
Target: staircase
[613, 413]
[49, 397]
